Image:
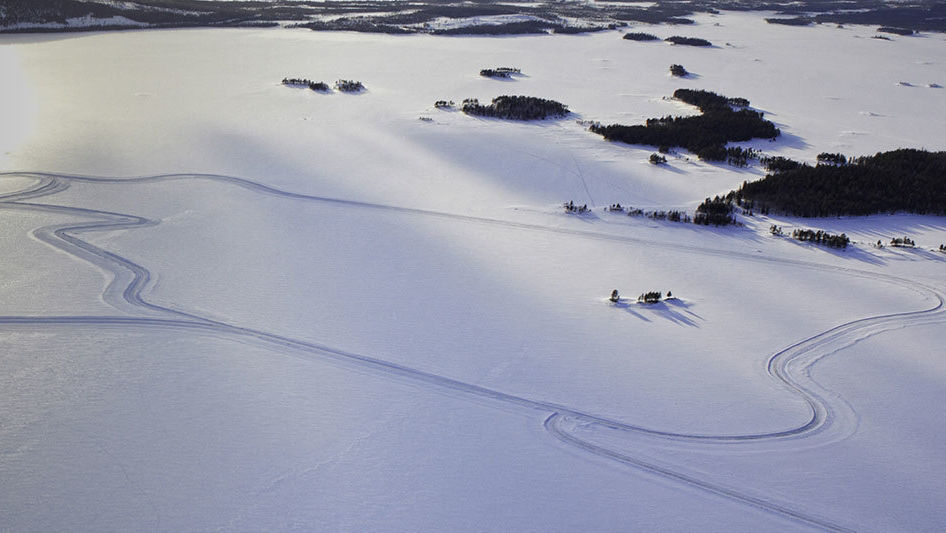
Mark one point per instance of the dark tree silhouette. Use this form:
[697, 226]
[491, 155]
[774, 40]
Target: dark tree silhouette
[516, 108]
[906, 180]
[705, 135]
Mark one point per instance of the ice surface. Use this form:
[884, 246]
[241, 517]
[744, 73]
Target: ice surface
[292, 310]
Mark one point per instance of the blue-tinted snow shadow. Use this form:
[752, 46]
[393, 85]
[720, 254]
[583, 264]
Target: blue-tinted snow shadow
[851, 252]
[672, 309]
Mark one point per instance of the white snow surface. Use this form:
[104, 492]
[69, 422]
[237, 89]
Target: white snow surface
[231, 304]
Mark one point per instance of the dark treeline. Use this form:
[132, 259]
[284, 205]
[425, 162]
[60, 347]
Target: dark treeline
[672, 215]
[349, 86]
[705, 135]
[688, 41]
[516, 108]
[821, 237]
[355, 24]
[717, 212]
[740, 157]
[795, 21]
[637, 36]
[662, 13]
[379, 16]
[900, 180]
[919, 16]
[500, 72]
[896, 31]
[521, 28]
[320, 86]
[779, 163]
[828, 158]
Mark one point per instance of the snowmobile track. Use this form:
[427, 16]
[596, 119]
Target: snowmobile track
[789, 366]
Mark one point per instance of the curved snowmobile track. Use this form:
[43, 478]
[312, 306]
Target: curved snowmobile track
[788, 366]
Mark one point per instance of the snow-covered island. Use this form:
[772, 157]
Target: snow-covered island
[226, 304]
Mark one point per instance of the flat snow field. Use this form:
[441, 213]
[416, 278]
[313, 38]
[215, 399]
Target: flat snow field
[228, 304]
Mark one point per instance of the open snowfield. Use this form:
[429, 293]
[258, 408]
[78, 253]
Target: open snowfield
[230, 304]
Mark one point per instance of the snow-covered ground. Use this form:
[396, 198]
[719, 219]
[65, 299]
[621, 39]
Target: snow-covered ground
[231, 304]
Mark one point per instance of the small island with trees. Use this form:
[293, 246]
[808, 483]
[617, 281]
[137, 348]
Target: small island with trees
[688, 41]
[791, 21]
[649, 297]
[516, 108]
[678, 71]
[349, 86]
[639, 36]
[500, 72]
[723, 120]
[318, 86]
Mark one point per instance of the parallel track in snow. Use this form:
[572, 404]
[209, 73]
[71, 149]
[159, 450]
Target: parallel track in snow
[788, 366]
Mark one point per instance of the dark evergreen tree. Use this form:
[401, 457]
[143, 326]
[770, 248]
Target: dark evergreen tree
[705, 135]
[905, 180]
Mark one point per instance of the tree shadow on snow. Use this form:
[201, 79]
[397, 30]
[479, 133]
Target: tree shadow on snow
[851, 252]
[672, 309]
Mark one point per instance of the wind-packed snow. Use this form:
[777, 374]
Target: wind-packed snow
[231, 304]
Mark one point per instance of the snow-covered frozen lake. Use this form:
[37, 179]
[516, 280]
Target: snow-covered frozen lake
[230, 304]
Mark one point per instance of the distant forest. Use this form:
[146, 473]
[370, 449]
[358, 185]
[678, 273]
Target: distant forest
[403, 16]
[905, 180]
[723, 120]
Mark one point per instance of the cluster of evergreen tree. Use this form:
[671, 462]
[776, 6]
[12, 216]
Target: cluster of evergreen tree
[717, 212]
[509, 28]
[349, 86]
[358, 24]
[779, 163]
[688, 41]
[794, 21]
[907, 180]
[657, 159]
[673, 215]
[650, 297]
[827, 158]
[821, 237]
[444, 104]
[499, 72]
[678, 70]
[740, 157]
[942, 248]
[516, 108]
[902, 242]
[705, 135]
[709, 101]
[637, 36]
[895, 31]
[320, 86]
[571, 207]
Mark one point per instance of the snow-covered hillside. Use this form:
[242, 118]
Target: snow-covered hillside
[231, 304]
